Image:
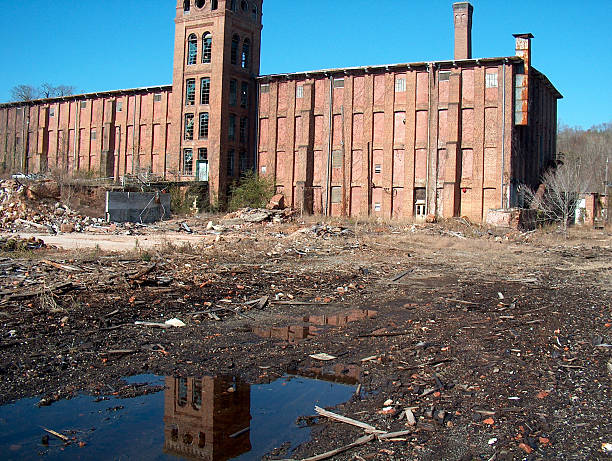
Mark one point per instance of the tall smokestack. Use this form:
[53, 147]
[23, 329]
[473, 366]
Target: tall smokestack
[463, 30]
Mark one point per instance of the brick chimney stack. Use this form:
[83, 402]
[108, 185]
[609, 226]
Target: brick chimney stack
[462, 13]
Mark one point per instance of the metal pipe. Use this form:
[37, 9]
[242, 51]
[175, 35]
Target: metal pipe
[429, 74]
[330, 145]
[503, 146]
[134, 135]
[256, 112]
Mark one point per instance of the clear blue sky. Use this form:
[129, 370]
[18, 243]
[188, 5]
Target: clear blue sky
[115, 44]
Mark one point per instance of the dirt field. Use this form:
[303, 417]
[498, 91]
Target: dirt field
[499, 344]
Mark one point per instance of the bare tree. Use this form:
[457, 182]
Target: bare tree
[591, 147]
[558, 197]
[23, 93]
[48, 90]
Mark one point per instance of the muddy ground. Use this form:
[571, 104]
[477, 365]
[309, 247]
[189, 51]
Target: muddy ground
[499, 346]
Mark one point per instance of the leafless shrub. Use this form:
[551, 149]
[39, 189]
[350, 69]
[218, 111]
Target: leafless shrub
[557, 199]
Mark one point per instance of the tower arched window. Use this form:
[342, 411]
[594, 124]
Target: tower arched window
[246, 50]
[214, 4]
[254, 12]
[235, 45]
[206, 47]
[192, 49]
[234, 5]
[200, 3]
[187, 6]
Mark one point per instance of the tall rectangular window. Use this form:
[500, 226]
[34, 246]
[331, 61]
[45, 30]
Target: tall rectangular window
[243, 164]
[400, 85]
[188, 127]
[231, 134]
[119, 106]
[203, 132]
[233, 96]
[491, 80]
[244, 94]
[190, 92]
[244, 129]
[230, 162]
[299, 91]
[93, 134]
[205, 90]
[157, 97]
[188, 161]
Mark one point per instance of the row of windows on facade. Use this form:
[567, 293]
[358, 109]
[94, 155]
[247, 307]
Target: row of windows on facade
[204, 120]
[190, 92]
[400, 83]
[243, 163]
[214, 4]
[207, 43]
[157, 97]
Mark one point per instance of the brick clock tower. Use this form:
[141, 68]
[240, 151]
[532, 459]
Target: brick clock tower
[214, 99]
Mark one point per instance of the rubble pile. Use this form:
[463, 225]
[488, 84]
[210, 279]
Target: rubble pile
[20, 244]
[36, 207]
[258, 215]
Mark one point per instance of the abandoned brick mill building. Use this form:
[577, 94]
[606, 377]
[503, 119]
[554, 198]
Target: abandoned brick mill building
[451, 138]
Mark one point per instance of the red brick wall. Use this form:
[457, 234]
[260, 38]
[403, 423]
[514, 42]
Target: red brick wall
[379, 140]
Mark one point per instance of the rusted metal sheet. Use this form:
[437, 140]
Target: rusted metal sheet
[521, 109]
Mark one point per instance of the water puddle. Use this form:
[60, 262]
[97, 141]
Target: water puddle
[312, 325]
[210, 418]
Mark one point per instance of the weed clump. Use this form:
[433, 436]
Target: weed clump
[251, 191]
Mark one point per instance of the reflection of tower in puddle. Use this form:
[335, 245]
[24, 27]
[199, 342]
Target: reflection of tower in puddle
[303, 331]
[200, 415]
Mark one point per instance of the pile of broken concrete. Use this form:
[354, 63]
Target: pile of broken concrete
[35, 207]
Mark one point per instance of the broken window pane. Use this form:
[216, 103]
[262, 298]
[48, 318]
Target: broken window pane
[188, 126]
[202, 153]
[192, 49]
[188, 170]
[246, 49]
[203, 132]
[157, 97]
[190, 92]
[206, 47]
[205, 90]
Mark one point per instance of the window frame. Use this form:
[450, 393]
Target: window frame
[205, 91]
[235, 45]
[192, 49]
[203, 125]
[188, 126]
[245, 58]
[231, 130]
[190, 92]
[187, 172]
[207, 43]
[244, 95]
[233, 92]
